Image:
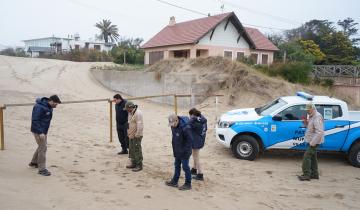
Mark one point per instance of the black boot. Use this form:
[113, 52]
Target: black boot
[193, 171]
[171, 183]
[186, 186]
[199, 177]
[137, 168]
[123, 152]
[304, 178]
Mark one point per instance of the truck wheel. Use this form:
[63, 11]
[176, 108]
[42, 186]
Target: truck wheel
[354, 155]
[245, 147]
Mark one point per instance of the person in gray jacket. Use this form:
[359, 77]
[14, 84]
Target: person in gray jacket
[314, 136]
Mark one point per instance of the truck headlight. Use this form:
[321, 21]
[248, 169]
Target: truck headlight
[225, 124]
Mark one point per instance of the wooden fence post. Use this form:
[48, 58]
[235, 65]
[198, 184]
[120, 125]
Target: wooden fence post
[175, 103]
[2, 141]
[111, 120]
[216, 109]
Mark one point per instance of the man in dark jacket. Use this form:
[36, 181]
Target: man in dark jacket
[181, 144]
[198, 124]
[40, 123]
[121, 123]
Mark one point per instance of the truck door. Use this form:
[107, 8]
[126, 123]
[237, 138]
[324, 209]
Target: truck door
[336, 128]
[288, 133]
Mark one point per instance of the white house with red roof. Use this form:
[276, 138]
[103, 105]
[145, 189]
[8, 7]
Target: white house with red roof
[219, 35]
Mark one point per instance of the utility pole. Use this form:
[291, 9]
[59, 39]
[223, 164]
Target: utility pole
[124, 56]
[284, 58]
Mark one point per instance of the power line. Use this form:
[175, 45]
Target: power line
[200, 13]
[180, 7]
[282, 19]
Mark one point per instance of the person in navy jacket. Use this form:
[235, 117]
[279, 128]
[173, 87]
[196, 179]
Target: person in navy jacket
[182, 147]
[198, 124]
[40, 123]
[121, 123]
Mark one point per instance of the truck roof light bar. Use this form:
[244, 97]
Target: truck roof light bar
[305, 96]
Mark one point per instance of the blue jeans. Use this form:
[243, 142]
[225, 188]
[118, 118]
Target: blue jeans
[185, 165]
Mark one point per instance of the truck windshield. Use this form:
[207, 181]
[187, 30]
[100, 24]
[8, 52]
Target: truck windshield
[269, 108]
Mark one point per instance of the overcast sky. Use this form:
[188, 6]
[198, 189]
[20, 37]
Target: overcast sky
[27, 19]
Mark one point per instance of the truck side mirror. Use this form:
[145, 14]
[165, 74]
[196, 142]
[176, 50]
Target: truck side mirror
[277, 117]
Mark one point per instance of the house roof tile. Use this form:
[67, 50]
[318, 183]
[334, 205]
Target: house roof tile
[190, 32]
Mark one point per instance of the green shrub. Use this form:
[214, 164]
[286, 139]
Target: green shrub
[295, 72]
[328, 83]
[84, 55]
[246, 60]
[18, 52]
[132, 55]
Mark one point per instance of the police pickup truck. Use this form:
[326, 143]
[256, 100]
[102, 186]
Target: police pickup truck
[278, 125]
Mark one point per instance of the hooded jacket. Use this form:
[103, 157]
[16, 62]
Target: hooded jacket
[41, 116]
[182, 139]
[198, 127]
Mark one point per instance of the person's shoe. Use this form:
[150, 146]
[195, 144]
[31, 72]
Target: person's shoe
[131, 165]
[193, 171]
[304, 178]
[137, 168]
[44, 172]
[123, 152]
[33, 165]
[185, 187]
[171, 183]
[314, 176]
[199, 177]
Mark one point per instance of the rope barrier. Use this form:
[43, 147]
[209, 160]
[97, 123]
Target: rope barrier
[176, 96]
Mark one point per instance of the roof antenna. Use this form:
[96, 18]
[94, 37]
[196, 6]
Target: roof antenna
[222, 8]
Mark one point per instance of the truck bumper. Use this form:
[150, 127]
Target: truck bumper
[224, 136]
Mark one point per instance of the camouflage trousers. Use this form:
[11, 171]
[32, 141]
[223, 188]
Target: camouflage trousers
[135, 151]
[310, 164]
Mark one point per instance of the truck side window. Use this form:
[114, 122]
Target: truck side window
[297, 112]
[329, 111]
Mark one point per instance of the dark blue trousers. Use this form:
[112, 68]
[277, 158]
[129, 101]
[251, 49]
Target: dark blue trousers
[185, 165]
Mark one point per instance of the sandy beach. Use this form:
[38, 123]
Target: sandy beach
[87, 173]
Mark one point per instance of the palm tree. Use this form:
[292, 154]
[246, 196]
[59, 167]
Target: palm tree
[107, 30]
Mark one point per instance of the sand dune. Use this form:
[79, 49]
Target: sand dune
[88, 174]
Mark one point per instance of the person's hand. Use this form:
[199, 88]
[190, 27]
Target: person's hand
[312, 144]
[303, 118]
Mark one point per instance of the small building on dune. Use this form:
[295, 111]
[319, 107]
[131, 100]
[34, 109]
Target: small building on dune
[55, 45]
[219, 35]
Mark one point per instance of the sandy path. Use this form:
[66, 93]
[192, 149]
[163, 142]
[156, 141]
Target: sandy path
[87, 173]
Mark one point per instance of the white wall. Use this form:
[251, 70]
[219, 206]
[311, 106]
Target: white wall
[227, 38]
[46, 43]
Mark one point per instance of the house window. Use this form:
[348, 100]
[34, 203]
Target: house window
[254, 57]
[264, 59]
[155, 56]
[180, 54]
[240, 56]
[228, 54]
[97, 47]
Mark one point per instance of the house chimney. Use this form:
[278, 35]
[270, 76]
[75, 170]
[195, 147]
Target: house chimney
[172, 21]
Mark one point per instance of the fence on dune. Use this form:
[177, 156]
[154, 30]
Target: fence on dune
[176, 96]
